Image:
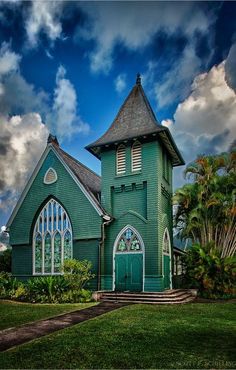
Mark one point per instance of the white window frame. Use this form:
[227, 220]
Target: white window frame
[52, 233]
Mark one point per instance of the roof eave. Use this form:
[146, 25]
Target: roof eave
[172, 147]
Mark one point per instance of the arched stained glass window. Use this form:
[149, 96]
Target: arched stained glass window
[67, 245]
[129, 242]
[47, 254]
[38, 253]
[57, 252]
[52, 239]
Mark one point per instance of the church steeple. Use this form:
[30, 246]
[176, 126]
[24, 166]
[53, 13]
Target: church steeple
[135, 119]
[138, 79]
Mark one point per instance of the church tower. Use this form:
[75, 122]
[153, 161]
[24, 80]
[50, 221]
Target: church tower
[137, 157]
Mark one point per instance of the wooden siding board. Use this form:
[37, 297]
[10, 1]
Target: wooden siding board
[149, 206]
[84, 218]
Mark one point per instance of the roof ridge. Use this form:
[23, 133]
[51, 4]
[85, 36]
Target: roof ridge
[148, 104]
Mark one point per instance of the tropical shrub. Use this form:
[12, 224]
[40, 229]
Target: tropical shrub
[47, 289]
[20, 293]
[67, 288]
[5, 260]
[8, 285]
[206, 270]
[77, 273]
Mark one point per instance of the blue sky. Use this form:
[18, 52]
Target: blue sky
[66, 67]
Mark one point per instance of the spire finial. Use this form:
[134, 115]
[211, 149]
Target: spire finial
[52, 139]
[138, 79]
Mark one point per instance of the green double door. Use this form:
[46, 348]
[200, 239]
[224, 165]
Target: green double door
[166, 271]
[129, 272]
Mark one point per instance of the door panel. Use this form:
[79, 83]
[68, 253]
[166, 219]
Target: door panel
[129, 272]
[120, 272]
[135, 273]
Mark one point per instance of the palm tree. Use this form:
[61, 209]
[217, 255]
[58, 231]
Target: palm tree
[206, 209]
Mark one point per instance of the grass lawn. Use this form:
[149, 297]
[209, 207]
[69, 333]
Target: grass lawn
[138, 336]
[14, 314]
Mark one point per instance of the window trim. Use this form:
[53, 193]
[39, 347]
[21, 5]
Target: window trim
[44, 231]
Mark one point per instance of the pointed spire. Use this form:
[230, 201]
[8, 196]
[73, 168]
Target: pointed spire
[138, 79]
[52, 140]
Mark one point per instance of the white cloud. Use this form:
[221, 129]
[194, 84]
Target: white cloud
[44, 16]
[9, 61]
[205, 121]
[23, 134]
[120, 82]
[22, 141]
[133, 24]
[63, 120]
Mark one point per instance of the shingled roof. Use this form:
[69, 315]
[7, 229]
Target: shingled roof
[136, 119]
[89, 179]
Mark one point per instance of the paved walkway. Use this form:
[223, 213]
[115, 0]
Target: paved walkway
[15, 336]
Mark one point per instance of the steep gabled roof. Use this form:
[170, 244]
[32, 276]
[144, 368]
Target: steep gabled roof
[136, 119]
[87, 180]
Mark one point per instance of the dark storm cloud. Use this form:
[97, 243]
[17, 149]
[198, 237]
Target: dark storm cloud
[230, 67]
[232, 145]
[2, 183]
[20, 97]
[4, 144]
[210, 145]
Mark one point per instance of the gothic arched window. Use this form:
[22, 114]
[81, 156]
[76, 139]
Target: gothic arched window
[129, 242]
[52, 239]
[136, 155]
[166, 242]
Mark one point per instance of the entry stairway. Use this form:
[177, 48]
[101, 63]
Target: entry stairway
[173, 296]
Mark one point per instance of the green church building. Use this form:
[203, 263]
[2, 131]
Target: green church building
[121, 221]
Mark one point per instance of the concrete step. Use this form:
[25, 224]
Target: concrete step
[168, 297]
[187, 300]
[145, 295]
[146, 300]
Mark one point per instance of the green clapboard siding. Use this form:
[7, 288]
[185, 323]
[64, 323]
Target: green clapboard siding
[137, 199]
[22, 260]
[88, 250]
[86, 223]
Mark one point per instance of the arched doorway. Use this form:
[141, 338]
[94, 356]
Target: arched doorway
[166, 246]
[128, 269]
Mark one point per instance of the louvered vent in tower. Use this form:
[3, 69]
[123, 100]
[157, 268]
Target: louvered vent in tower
[136, 156]
[120, 160]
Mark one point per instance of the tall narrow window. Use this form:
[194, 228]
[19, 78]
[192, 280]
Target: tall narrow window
[166, 242]
[120, 160]
[52, 239]
[136, 156]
